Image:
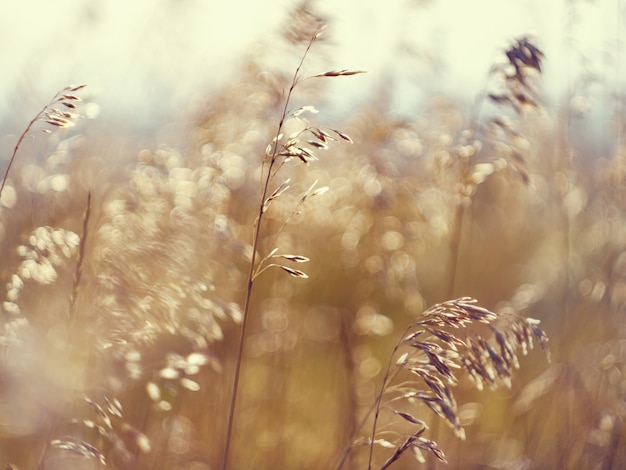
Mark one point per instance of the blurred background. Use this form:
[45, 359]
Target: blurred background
[147, 62]
[487, 161]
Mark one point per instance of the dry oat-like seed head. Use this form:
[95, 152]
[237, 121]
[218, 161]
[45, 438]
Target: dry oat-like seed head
[339, 73]
[51, 114]
[436, 356]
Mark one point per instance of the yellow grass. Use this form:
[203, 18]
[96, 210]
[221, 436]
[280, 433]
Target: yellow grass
[131, 347]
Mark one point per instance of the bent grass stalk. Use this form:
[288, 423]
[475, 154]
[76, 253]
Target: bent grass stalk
[51, 115]
[433, 354]
[380, 397]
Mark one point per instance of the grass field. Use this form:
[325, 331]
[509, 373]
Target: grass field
[280, 289]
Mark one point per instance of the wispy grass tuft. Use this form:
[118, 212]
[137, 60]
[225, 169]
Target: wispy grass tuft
[60, 112]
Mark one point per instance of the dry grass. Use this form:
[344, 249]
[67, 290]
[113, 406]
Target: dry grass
[300, 146]
[436, 356]
[128, 285]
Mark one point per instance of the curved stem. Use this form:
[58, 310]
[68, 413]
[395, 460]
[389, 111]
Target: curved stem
[17, 146]
[53, 117]
[377, 412]
[358, 428]
[379, 399]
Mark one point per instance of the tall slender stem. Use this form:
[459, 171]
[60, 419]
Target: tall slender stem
[255, 244]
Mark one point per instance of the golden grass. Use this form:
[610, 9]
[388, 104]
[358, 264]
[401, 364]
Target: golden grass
[125, 296]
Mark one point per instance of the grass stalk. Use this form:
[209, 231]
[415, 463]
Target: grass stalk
[379, 399]
[255, 245]
[51, 115]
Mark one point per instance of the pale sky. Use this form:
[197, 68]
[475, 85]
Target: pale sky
[147, 58]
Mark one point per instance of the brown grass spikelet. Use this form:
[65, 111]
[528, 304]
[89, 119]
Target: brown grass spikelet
[339, 73]
[437, 357]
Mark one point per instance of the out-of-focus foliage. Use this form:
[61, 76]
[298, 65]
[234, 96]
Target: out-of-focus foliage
[132, 365]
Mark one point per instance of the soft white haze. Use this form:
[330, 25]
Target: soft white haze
[148, 59]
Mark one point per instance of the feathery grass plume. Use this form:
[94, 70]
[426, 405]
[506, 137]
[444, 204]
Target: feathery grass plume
[60, 112]
[300, 145]
[437, 356]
